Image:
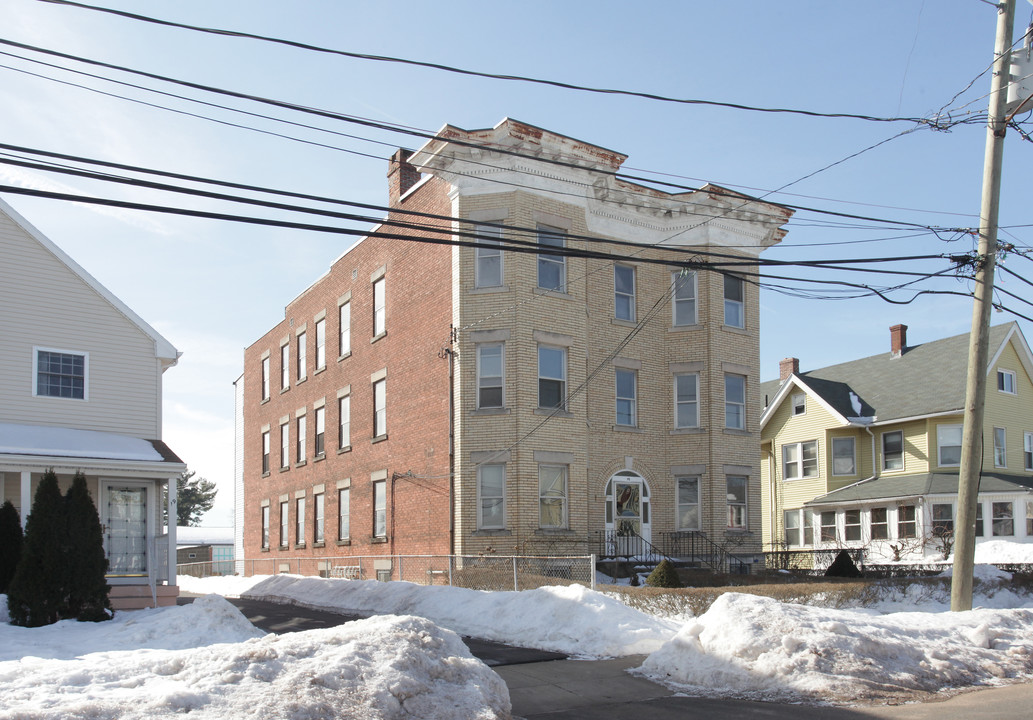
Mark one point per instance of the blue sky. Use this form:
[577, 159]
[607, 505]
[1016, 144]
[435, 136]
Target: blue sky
[212, 288]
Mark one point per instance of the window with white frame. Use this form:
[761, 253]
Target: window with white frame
[284, 538]
[736, 486]
[1002, 519]
[1000, 447]
[265, 527]
[683, 305]
[552, 377]
[844, 456]
[1027, 450]
[735, 401]
[320, 431]
[490, 370]
[379, 306]
[344, 328]
[800, 460]
[980, 529]
[380, 509]
[624, 292]
[265, 378]
[1006, 381]
[343, 513]
[893, 450]
[808, 527]
[627, 404]
[301, 439]
[943, 519]
[828, 526]
[948, 445]
[852, 525]
[302, 357]
[552, 496]
[320, 343]
[799, 403]
[61, 374]
[552, 269]
[299, 521]
[880, 527]
[285, 446]
[686, 400]
[488, 270]
[318, 517]
[265, 452]
[734, 315]
[344, 425]
[1029, 518]
[285, 366]
[907, 525]
[380, 408]
[491, 491]
[791, 524]
[688, 502]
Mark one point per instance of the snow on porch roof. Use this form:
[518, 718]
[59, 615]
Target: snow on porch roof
[71, 443]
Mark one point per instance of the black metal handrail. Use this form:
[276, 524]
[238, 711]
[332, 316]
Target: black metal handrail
[694, 545]
[629, 545]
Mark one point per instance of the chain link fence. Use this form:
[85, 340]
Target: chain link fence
[477, 572]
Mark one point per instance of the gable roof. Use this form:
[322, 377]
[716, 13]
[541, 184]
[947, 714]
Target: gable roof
[925, 380]
[889, 487]
[163, 349]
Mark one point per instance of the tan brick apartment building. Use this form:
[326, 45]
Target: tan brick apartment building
[588, 396]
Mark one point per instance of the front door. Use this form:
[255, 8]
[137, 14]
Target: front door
[627, 512]
[125, 536]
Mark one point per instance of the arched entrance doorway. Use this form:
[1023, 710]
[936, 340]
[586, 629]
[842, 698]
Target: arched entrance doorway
[627, 510]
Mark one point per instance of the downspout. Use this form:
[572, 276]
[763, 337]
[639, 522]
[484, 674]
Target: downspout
[449, 353]
[875, 468]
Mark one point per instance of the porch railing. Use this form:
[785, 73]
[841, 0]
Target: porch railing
[693, 546]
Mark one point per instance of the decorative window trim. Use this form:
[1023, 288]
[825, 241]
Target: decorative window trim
[37, 349]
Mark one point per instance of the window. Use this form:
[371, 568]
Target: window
[380, 509]
[552, 377]
[627, 411]
[1002, 519]
[61, 374]
[265, 378]
[852, 525]
[285, 448]
[491, 491]
[686, 401]
[319, 510]
[265, 527]
[684, 303]
[552, 496]
[265, 452]
[893, 450]
[948, 445]
[799, 404]
[800, 459]
[843, 456]
[344, 328]
[490, 364]
[283, 524]
[733, 302]
[943, 519]
[299, 521]
[736, 491]
[344, 433]
[1000, 448]
[302, 357]
[1029, 518]
[808, 527]
[880, 524]
[828, 526]
[302, 431]
[688, 502]
[792, 527]
[344, 513]
[488, 260]
[379, 408]
[552, 269]
[1006, 381]
[320, 344]
[624, 292]
[980, 530]
[285, 366]
[906, 525]
[379, 307]
[1027, 450]
[735, 401]
[320, 430]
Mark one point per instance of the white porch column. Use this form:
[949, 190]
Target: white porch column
[173, 515]
[26, 501]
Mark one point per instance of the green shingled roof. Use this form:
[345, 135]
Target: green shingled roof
[925, 379]
[889, 486]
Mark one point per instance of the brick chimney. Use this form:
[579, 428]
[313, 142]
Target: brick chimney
[898, 340]
[400, 176]
[789, 366]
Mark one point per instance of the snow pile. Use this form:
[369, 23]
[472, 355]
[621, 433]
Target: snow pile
[1004, 552]
[751, 646]
[386, 667]
[571, 619]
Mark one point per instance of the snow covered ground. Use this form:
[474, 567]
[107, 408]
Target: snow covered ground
[407, 661]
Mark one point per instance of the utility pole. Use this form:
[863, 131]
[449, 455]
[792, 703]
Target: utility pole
[975, 388]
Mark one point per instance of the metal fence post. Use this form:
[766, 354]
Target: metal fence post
[451, 558]
[516, 583]
[591, 569]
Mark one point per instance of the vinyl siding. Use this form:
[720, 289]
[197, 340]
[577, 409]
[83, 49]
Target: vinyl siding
[1011, 412]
